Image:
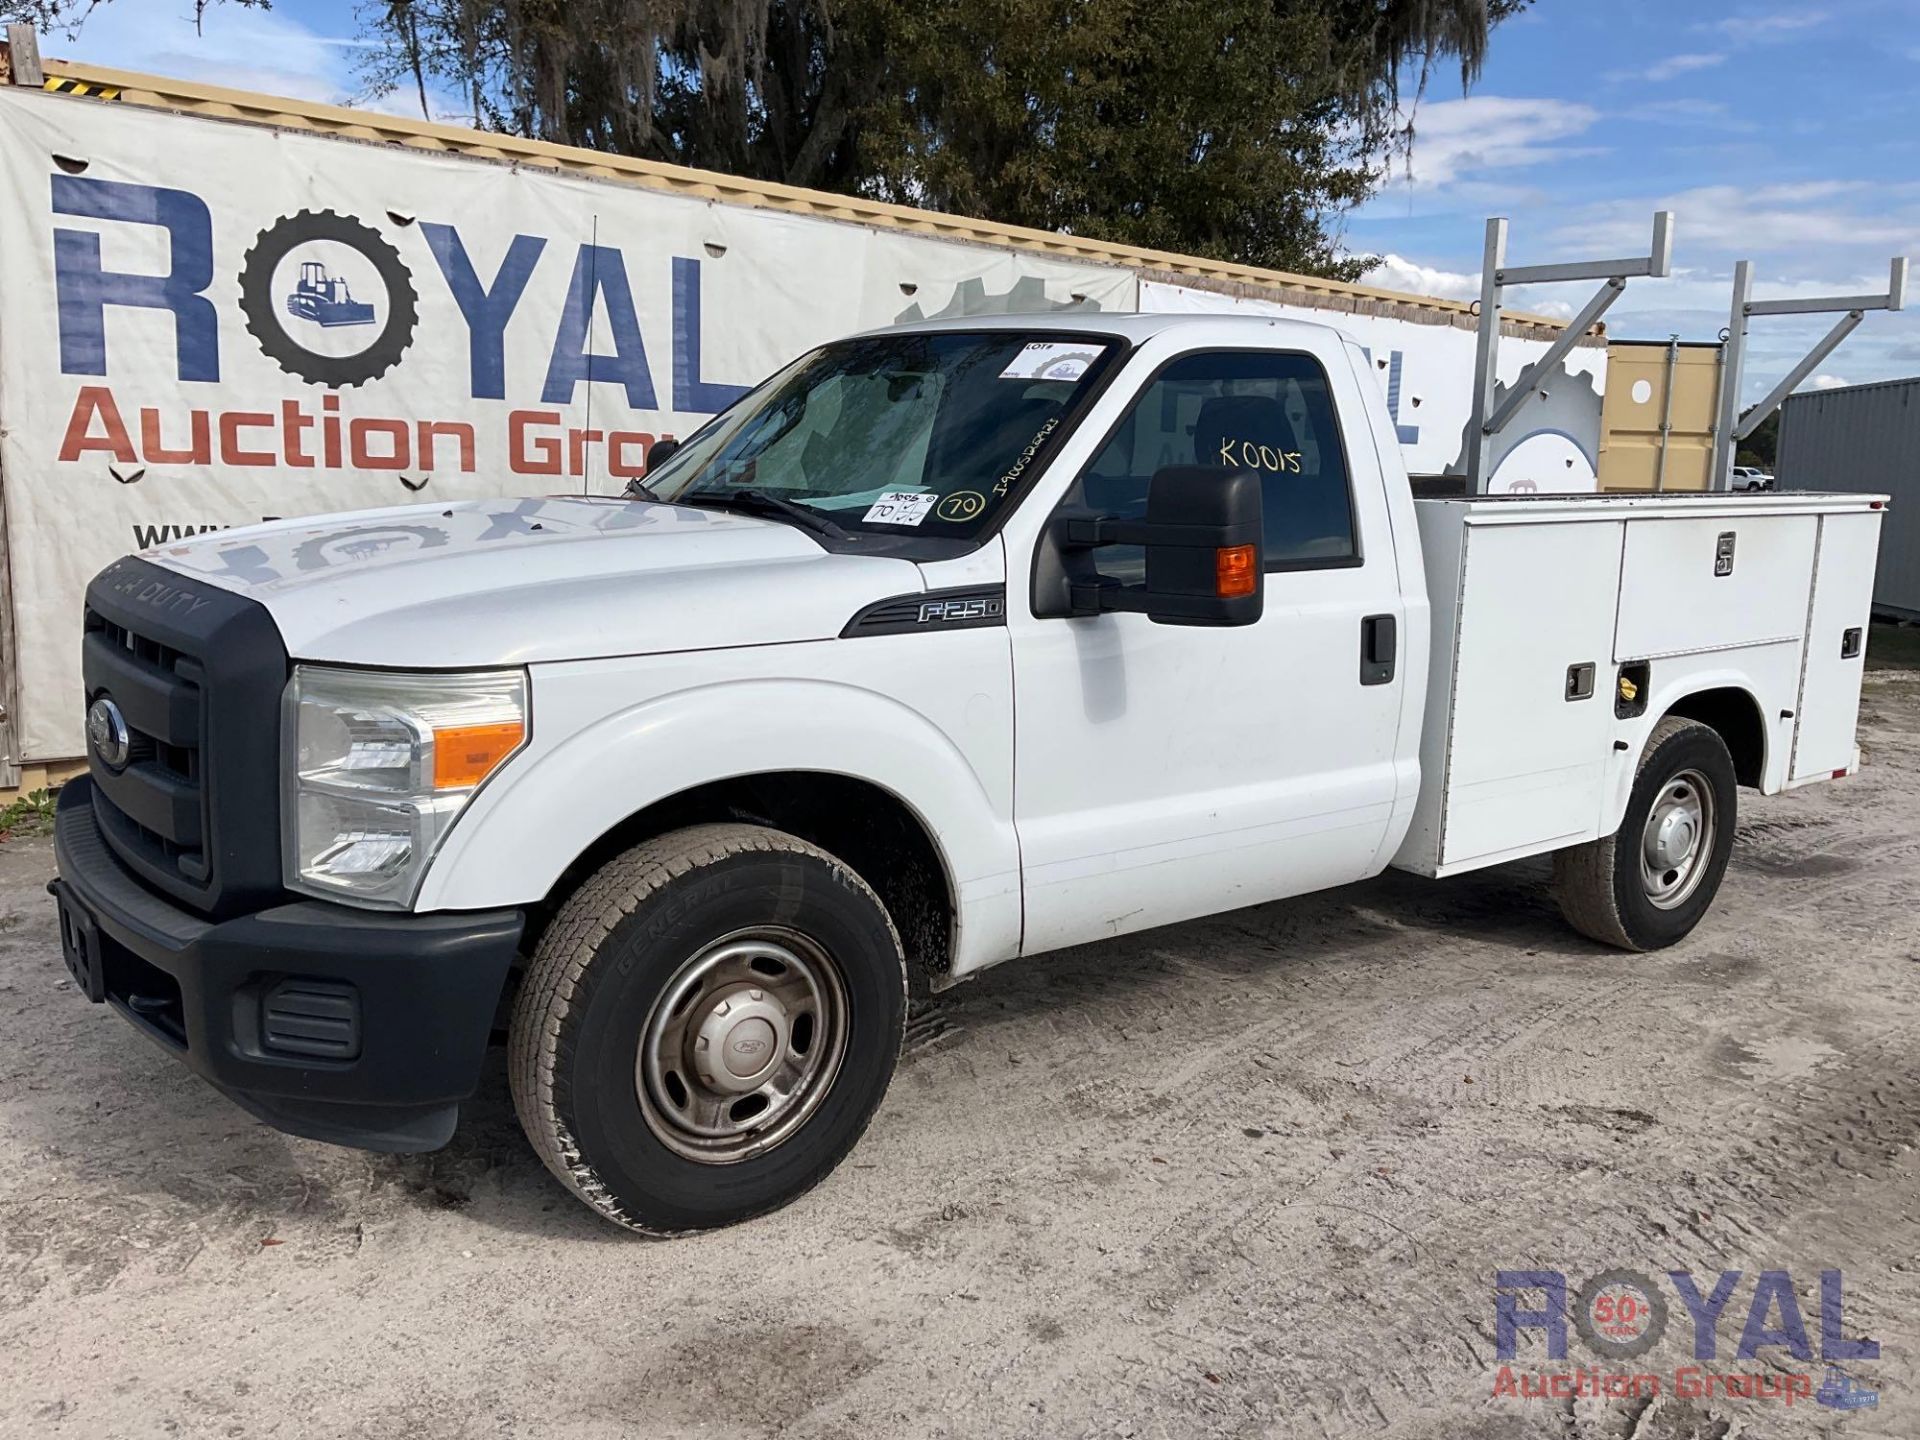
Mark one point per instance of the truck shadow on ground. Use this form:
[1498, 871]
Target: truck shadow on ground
[176, 1169]
[1369, 928]
[1279, 956]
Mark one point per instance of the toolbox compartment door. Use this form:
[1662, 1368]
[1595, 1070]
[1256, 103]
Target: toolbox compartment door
[1527, 764]
[1830, 677]
[1713, 583]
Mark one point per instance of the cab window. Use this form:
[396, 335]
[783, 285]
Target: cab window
[1264, 411]
[913, 434]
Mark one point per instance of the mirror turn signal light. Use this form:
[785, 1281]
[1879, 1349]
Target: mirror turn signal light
[464, 755]
[1233, 571]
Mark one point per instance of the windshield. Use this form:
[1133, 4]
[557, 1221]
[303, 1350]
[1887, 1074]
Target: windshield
[902, 434]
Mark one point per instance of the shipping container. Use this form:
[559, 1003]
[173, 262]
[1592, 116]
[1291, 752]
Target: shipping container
[219, 307]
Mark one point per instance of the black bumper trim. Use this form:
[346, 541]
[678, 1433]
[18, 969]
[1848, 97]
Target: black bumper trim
[428, 987]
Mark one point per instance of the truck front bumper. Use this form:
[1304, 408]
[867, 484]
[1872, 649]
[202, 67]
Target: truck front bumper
[351, 1026]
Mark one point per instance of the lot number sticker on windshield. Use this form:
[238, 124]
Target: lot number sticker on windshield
[900, 507]
[1050, 360]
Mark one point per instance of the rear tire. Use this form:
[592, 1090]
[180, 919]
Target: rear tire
[706, 1027]
[1647, 885]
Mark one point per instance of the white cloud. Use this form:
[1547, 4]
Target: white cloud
[239, 46]
[1827, 382]
[404, 101]
[1766, 27]
[1687, 112]
[1456, 139]
[1674, 65]
[1821, 224]
[1396, 272]
[1817, 218]
[1671, 67]
[1693, 304]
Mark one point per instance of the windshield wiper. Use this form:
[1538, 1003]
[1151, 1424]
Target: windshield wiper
[764, 503]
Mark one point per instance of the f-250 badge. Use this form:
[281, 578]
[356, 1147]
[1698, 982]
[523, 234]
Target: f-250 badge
[978, 607]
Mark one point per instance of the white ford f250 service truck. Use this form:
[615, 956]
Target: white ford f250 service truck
[948, 644]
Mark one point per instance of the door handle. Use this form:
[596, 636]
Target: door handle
[1379, 648]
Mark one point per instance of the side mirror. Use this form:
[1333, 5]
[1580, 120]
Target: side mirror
[658, 453]
[1202, 536]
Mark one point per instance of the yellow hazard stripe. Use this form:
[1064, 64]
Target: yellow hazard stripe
[61, 86]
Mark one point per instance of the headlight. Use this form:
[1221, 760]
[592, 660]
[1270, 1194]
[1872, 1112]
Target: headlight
[376, 767]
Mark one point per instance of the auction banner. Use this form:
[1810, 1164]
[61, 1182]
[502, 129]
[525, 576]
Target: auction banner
[207, 323]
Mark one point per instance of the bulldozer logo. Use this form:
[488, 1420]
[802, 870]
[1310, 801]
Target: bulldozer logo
[328, 298]
[325, 299]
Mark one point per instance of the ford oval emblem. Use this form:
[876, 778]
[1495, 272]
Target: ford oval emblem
[107, 730]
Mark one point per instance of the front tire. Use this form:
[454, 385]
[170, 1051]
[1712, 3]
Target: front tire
[706, 1027]
[1647, 885]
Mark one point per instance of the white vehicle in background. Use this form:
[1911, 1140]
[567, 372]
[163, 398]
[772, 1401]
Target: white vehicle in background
[949, 644]
[1748, 478]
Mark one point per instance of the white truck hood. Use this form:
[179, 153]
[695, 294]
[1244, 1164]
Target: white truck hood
[506, 582]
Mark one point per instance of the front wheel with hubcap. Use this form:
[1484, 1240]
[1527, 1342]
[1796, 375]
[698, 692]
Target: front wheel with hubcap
[1650, 882]
[707, 1026]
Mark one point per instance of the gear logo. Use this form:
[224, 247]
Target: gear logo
[328, 298]
[1621, 1314]
[365, 542]
[1028, 296]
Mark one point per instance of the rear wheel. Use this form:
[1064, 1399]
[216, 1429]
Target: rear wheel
[707, 1027]
[1650, 882]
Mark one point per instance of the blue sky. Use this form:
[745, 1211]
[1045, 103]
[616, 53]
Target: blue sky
[1784, 134]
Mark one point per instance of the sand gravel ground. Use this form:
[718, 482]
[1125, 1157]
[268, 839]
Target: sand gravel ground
[1247, 1176]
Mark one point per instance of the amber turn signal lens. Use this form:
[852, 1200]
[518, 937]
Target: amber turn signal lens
[1233, 571]
[464, 755]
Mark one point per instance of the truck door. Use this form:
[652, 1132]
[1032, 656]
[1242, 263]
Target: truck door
[1166, 771]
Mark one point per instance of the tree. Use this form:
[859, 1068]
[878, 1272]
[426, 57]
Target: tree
[68, 15]
[1222, 127]
[1761, 447]
[1239, 129]
[1236, 129]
